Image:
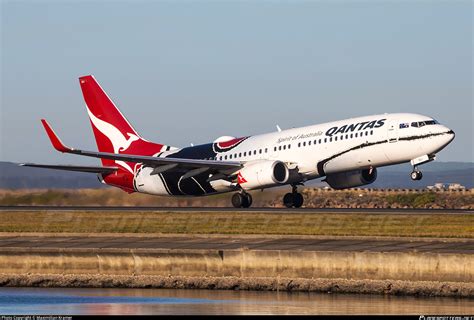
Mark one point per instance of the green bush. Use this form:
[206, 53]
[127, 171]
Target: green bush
[424, 199]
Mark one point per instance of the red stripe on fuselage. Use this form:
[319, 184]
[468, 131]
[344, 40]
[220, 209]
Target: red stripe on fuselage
[230, 143]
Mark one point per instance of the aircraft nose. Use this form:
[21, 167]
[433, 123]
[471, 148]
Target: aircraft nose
[450, 134]
[447, 135]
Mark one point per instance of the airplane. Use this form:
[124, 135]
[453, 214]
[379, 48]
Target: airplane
[346, 153]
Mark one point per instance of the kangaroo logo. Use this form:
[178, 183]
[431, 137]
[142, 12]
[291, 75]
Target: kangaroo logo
[119, 142]
[240, 178]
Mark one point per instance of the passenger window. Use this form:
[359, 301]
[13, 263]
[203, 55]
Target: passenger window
[325, 140]
[240, 154]
[260, 151]
[347, 136]
[245, 153]
[351, 135]
[309, 142]
[371, 132]
[330, 139]
[225, 157]
[304, 143]
[299, 144]
[266, 150]
[289, 147]
[335, 138]
[284, 147]
[319, 141]
[356, 134]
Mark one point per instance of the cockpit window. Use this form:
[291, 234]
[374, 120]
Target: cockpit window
[420, 124]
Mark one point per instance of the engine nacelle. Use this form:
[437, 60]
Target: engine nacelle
[263, 174]
[350, 179]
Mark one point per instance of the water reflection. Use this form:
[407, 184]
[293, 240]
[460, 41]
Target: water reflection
[167, 301]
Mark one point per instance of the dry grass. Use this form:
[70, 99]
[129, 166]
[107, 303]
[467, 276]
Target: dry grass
[251, 222]
[314, 198]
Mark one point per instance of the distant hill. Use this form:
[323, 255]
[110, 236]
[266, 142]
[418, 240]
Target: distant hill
[433, 172]
[14, 177]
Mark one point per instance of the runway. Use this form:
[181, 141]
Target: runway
[97, 242]
[227, 209]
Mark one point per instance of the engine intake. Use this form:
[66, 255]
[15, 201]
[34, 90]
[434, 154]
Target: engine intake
[263, 174]
[351, 179]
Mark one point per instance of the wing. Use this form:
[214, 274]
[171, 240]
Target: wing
[92, 169]
[212, 165]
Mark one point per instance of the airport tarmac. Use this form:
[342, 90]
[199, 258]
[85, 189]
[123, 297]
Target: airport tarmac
[9, 242]
[228, 209]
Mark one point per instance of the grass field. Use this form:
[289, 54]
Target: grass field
[252, 222]
[314, 198]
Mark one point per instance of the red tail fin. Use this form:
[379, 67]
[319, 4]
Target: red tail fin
[113, 133]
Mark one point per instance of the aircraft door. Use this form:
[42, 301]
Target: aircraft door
[392, 131]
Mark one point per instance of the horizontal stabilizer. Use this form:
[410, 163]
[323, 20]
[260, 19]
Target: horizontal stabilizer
[91, 169]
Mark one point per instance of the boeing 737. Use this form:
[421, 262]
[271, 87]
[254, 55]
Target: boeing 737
[346, 153]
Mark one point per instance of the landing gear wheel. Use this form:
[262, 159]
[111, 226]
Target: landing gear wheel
[298, 200]
[288, 200]
[416, 175]
[237, 200]
[420, 175]
[247, 200]
[293, 200]
[241, 200]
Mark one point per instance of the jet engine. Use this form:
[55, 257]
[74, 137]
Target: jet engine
[351, 179]
[263, 174]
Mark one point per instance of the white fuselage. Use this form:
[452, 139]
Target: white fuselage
[323, 149]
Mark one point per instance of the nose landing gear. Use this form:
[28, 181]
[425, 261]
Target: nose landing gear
[416, 174]
[242, 200]
[293, 199]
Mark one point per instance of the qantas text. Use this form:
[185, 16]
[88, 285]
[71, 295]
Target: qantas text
[355, 126]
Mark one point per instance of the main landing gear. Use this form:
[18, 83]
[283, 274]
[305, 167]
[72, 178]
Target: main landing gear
[293, 199]
[241, 200]
[416, 174]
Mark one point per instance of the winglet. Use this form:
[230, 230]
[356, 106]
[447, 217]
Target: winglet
[56, 142]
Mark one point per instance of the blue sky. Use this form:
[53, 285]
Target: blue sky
[191, 71]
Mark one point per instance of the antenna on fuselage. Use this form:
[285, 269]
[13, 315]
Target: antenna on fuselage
[278, 128]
